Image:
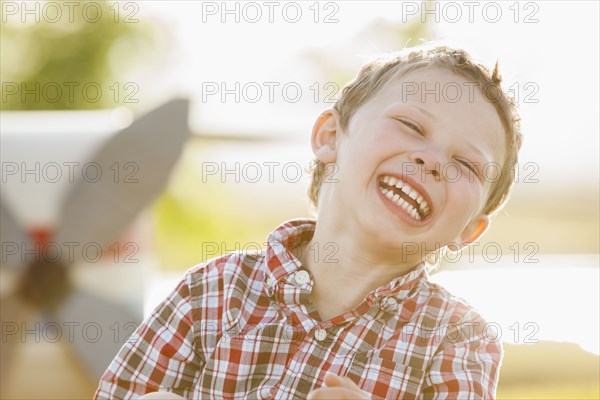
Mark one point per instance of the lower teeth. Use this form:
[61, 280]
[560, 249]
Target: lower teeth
[402, 203]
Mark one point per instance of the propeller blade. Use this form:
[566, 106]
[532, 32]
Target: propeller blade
[100, 328]
[14, 318]
[134, 165]
[13, 239]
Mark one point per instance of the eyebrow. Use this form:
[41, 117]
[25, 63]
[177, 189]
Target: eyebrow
[423, 111]
[415, 107]
[478, 151]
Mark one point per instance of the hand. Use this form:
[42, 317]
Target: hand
[161, 396]
[338, 387]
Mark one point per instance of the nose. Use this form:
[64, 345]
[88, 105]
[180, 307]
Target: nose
[428, 161]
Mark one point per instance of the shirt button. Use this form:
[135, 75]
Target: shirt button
[391, 303]
[302, 277]
[320, 334]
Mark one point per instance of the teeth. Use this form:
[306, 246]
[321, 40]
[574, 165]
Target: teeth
[402, 203]
[416, 215]
[409, 191]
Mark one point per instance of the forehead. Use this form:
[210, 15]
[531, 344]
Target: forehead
[447, 101]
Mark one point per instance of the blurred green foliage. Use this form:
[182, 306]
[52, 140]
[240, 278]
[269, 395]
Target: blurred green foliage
[43, 53]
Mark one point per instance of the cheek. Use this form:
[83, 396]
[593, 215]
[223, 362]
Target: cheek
[467, 197]
[391, 140]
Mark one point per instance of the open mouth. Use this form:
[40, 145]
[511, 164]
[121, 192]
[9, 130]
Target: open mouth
[405, 196]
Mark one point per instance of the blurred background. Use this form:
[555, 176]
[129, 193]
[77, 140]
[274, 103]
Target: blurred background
[75, 74]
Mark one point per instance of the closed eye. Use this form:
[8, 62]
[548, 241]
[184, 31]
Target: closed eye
[412, 126]
[472, 166]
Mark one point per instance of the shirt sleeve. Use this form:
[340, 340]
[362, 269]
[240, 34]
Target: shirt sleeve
[160, 355]
[467, 365]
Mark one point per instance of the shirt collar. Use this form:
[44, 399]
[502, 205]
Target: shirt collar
[402, 285]
[281, 262]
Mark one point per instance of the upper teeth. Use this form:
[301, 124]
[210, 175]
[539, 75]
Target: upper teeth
[411, 192]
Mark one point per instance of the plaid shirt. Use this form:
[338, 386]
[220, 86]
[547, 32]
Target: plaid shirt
[241, 326]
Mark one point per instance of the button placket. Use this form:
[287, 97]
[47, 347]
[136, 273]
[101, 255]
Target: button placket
[320, 334]
[301, 277]
[270, 287]
[389, 303]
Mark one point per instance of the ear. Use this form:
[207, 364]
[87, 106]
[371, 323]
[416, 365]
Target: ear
[324, 138]
[471, 233]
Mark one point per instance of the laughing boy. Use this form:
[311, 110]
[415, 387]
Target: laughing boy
[340, 307]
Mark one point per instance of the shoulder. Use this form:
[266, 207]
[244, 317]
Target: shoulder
[233, 263]
[454, 315]
[223, 274]
[220, 286]
[466, 351]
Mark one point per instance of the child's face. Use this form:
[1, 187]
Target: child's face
[452, 131]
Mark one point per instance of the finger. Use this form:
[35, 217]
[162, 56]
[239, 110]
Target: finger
[161, 396]
[338, 393]
[350, 384]
[332, 380]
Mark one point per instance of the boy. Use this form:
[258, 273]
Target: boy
[341, 307]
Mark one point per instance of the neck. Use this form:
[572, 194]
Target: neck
[348, 264]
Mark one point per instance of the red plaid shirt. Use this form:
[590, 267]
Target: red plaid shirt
[241, 326]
